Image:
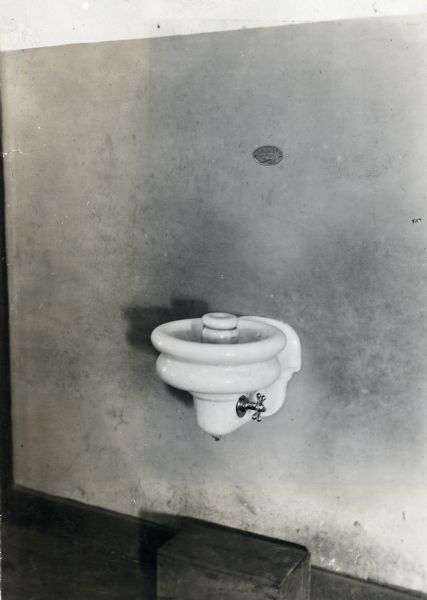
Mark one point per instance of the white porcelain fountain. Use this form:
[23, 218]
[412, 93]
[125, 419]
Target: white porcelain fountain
[236, 369]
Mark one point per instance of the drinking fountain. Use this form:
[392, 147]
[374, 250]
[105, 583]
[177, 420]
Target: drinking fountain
[236, 368]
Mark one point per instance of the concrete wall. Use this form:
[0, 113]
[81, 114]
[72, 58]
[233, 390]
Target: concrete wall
[133, 198]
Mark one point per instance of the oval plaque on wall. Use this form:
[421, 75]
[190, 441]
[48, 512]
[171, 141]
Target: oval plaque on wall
[267, 155]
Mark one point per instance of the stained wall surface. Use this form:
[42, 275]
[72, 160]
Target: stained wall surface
[132, 199]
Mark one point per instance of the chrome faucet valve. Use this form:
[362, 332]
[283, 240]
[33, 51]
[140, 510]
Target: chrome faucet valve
[244, 404]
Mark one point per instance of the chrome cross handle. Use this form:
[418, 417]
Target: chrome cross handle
[244, 404]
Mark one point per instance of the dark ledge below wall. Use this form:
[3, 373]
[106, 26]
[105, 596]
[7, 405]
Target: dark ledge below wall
[138, 540]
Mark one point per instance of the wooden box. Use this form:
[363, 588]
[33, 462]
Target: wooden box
[210, 563]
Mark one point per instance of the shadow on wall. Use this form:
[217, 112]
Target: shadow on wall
[6, 474]
[151, 540]
[143, 319]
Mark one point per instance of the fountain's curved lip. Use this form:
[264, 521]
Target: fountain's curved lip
[269, 341]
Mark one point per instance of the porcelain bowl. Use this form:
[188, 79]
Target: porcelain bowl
[189, 364]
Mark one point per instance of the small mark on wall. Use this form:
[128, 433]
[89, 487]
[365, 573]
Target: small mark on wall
[118, 414]
[417, 220]
[267, 155]
[82, 491]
